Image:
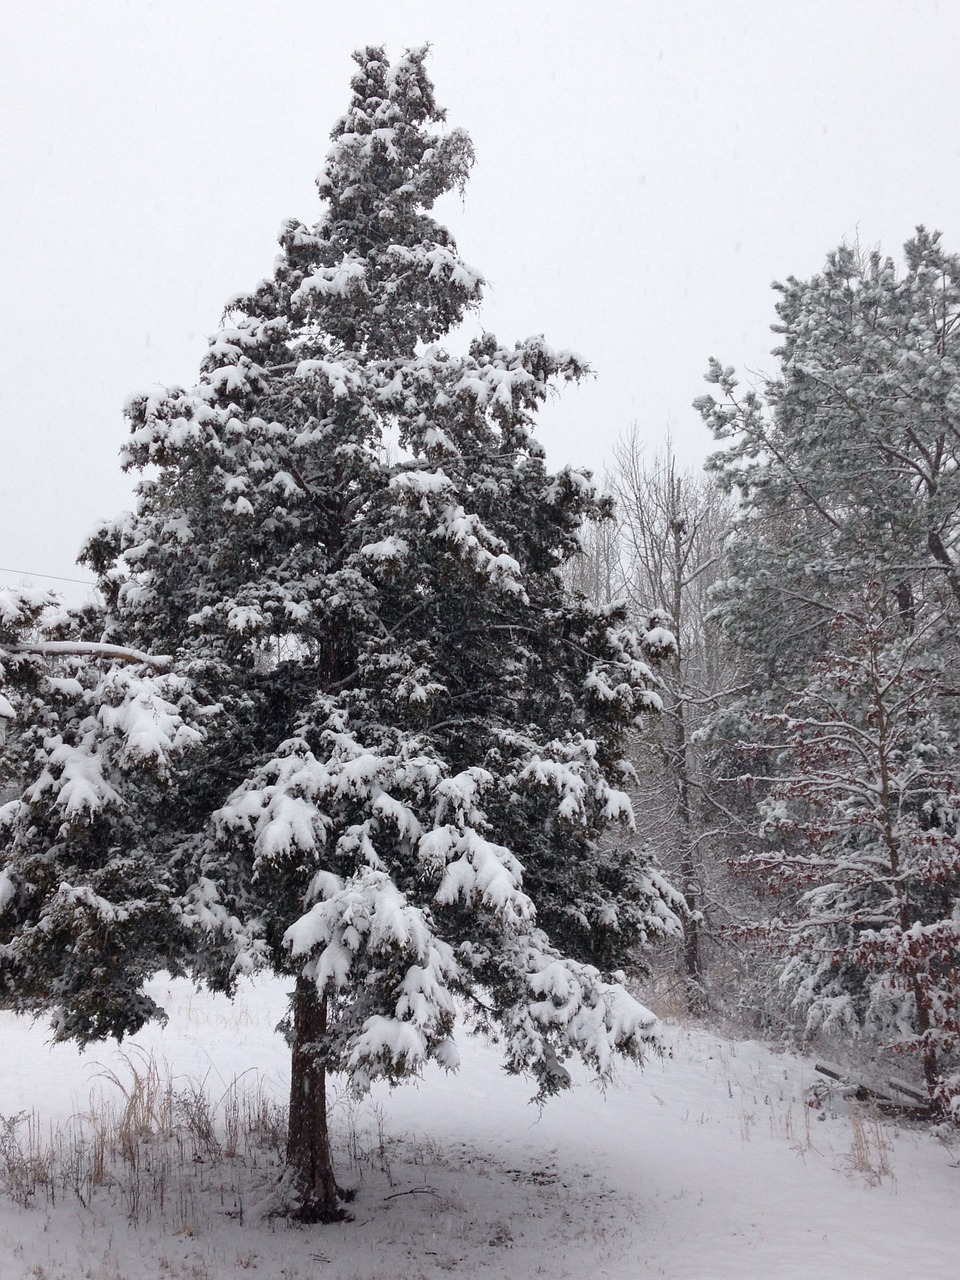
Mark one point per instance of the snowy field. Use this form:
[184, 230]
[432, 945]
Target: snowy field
[706, 1165]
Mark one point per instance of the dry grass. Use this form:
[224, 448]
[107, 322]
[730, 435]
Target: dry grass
[176, 1152]
[156, 1145]
[870, 1152]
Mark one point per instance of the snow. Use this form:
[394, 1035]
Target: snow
[421, 482]
[660, 638]
[147, 724]
[477, 868]
[17, 602]
[7, 888]
[340, 281]
[704, 1166]
[78, 774]
[391, 548]
[342, 378]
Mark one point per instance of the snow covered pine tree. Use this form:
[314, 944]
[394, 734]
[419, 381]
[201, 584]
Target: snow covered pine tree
[841, 591]
[413, 734]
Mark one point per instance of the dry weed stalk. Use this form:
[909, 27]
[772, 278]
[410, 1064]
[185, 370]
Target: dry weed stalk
[870, 1152]
[147, 1143]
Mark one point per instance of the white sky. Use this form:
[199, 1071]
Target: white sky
[644, 170]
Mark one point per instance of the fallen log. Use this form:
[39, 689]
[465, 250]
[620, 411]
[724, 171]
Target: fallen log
[918, 1107]
[912, 1091]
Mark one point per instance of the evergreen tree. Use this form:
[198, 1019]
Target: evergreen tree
[348, 541]
[848, 464]
[847, 470]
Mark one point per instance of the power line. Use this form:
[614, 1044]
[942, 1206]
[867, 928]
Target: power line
[26, 573]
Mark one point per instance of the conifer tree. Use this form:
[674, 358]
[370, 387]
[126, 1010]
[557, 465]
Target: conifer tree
[848, 461]
[847, 470]
[349, 543]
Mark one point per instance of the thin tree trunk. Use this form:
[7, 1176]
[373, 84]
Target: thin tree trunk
[695, 988]
[928, 1054]
[308, 1141]
[93, 649]
[696, 992]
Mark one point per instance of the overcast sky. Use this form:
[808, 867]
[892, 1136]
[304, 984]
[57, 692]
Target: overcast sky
[644, 170]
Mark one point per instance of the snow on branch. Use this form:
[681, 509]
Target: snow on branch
[93, 649]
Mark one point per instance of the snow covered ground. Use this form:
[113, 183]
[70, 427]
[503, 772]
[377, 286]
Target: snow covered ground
[708, 1164]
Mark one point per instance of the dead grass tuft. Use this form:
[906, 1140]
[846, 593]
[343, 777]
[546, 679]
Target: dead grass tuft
[158, 1146]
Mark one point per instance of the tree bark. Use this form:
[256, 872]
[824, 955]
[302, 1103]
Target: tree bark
[696, 991]
[308, 1140]
[695, 988]
[928, 1054]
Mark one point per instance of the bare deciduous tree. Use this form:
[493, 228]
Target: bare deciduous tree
[670, 532]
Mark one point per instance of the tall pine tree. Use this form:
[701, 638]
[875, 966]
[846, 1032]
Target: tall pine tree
[848, 469]
[848, 464]
[349, 543]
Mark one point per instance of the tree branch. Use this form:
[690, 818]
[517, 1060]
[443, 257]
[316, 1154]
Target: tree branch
[93, 649]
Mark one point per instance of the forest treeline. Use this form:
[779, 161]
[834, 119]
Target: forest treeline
[802, 781]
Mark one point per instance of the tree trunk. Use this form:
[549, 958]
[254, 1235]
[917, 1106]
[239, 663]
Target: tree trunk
[928, 1054]
[695, 988]
[308, 1141]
